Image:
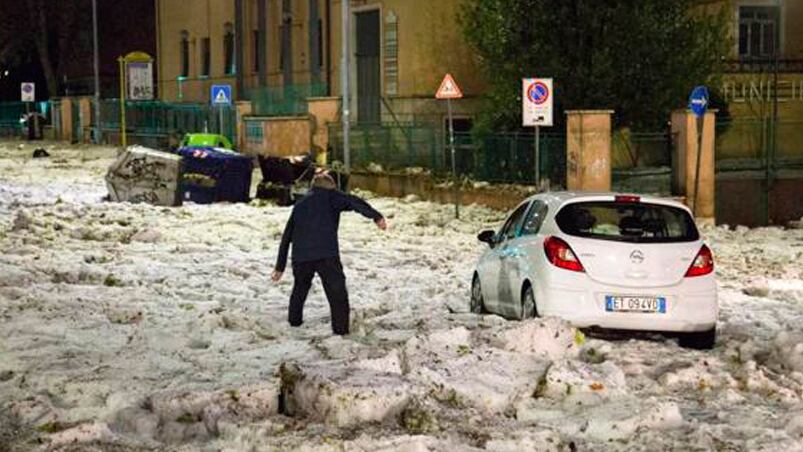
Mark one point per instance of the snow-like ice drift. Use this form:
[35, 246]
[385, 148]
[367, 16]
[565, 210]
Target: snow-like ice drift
[133, 327]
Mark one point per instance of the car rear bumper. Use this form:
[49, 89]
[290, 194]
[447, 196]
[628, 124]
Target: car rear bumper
[691, 306]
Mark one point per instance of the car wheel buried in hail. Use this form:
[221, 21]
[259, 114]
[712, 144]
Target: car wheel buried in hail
[604, 260]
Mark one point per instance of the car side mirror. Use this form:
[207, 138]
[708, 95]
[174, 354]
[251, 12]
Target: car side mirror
[488, 237]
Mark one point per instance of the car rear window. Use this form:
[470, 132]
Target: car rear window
[627, 222]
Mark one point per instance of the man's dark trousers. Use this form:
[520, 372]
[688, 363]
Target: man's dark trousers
[334, 284]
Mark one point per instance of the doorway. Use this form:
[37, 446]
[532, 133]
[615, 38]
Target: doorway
[369, 86]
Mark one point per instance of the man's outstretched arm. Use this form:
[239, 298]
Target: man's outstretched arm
[345, 202]
[284, 249]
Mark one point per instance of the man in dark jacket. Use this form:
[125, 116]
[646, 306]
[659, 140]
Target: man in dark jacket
[312, 229]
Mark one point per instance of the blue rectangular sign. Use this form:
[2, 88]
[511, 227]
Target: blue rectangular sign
[220, 95]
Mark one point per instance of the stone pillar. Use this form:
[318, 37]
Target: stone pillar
[684, 162]
[683, 139]
[588, 150]
[67, 119]
[85, 112]
[323, 111]
[244, 108]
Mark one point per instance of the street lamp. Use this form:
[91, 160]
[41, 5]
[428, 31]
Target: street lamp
[346, 36]
[97, 70]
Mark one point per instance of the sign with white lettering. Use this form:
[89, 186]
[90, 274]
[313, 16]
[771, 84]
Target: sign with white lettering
[28, 92]
[537, 101]
[140, 80]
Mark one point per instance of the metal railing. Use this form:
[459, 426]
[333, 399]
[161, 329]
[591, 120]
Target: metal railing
[498, 157]
[290, 100]
[393, 147]
[10, 114]
[163, 121]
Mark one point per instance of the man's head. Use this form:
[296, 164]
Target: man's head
[324, 180]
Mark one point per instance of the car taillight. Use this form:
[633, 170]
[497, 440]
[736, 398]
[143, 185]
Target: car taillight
[703, 264]
[561, 255]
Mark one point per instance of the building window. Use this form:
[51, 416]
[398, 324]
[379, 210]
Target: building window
[758, 31]
[320, 44]
[206, 57]
[229, 63]
[391, 65]
[185, 53]
[257, 46]
[286, 55]
[254, 133]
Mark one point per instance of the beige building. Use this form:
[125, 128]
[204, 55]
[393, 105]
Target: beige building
[400, 51]
[282, 52]
[402, 48]
[764, 77]
[762, 30]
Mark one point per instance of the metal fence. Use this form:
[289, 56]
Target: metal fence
[392, 147]
[510, 157]
[641, 162]
[500, 157]
[10, 113]
[290, 100]
[157, 123]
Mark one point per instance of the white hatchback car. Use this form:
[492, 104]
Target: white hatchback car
[605, 260]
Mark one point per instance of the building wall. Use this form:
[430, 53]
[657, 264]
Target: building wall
[201, 19]
[748, 87]
[429, 46]
[794, 29]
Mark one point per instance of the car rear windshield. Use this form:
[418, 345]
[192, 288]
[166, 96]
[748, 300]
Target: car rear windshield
[627, 222]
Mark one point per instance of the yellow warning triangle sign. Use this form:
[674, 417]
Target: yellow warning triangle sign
[449, 89]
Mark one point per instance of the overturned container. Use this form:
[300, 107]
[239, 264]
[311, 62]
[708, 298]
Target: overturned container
[215, 175]
[145, 175]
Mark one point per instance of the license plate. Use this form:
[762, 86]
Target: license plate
[619, 303]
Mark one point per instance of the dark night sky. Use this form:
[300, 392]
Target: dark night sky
[124, 26]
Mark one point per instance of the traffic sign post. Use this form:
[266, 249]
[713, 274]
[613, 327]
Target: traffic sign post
[537, 111]
[220, 97]
[698, 103]
[450, 90]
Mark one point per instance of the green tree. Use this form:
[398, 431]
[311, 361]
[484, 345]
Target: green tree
[58, 32]
[640, 58]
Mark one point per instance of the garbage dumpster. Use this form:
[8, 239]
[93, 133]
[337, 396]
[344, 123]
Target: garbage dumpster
[145, 175]
[215, 175]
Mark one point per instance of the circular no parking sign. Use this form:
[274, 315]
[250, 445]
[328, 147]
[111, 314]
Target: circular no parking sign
[538, 93]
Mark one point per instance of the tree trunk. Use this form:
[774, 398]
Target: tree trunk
[66, 34]
[38, 16]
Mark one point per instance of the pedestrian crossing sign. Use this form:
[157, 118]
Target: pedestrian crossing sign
[221, 95]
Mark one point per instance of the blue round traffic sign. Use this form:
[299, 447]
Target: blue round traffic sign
[538, 93]
[698, 100]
